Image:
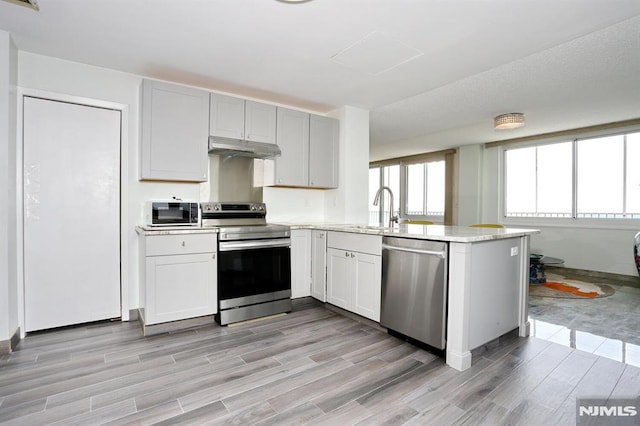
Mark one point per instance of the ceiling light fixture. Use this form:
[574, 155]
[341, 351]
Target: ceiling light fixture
[294, 1]
[512, 120]
[33, 4]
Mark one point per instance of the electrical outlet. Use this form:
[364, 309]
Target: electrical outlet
[514, 251]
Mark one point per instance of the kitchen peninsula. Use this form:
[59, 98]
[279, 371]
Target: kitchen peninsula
[488, 275]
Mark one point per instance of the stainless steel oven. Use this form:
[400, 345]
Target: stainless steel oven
[254, 262]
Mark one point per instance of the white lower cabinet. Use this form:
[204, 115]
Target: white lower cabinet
[319, 265]
[354, 278]
[178, 277]
[300, 263]
[339, 278]
[367, 290]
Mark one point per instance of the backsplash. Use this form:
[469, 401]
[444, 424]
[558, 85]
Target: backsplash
[230, 179]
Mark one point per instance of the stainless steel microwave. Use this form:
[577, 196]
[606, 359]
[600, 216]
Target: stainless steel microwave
[172, 213]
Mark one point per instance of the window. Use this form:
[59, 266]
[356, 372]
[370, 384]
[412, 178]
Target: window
[600, 177]
[539, 181]
[584, 178]
[418, 188]
[633, 173]
[388, 176]
[425, 190]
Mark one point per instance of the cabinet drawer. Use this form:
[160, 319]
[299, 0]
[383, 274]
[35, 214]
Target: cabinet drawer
[159, 245]
[371, 244]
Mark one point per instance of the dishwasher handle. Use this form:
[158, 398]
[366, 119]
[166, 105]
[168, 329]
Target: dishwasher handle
[442, 254]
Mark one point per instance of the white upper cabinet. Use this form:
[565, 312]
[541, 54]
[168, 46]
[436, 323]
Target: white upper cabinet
[309, 145]
[260, 122]
[292, 166]
[237, 118]
[227, 117]
[323, 151]
[175, 130]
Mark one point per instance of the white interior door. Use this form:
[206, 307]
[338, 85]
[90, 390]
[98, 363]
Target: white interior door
[71, 213]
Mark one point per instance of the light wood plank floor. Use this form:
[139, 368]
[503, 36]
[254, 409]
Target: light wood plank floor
[313, 366]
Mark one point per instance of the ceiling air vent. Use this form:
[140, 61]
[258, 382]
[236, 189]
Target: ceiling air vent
[33, 4]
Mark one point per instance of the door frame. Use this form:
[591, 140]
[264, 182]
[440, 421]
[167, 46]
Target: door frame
[124, 193]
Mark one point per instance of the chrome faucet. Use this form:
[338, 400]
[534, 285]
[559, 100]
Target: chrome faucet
[376, 200]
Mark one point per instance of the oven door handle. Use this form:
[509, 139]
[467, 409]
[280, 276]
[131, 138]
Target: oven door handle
[254, 244]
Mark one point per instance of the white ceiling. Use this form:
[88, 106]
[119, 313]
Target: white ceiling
[433, 73]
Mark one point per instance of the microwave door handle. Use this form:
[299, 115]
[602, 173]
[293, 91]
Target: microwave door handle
[256, 244]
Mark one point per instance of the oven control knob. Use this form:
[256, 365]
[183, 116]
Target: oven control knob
[207, 207]
[261, 208]
[216, 207]
[253, 208]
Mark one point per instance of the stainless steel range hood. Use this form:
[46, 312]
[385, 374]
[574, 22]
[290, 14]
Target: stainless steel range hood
[242, 148]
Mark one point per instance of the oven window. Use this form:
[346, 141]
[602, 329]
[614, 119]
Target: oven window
[249, 272]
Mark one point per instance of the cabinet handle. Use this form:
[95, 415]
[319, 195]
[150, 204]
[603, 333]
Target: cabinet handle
[353, 255]
[184, 244]
[213, 256]
[346, 254]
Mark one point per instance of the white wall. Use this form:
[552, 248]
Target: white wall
[294, 205]
[595, 249]
[349, 203]
[8, 233]
[71, 78]
[589, 247]
[469, 185]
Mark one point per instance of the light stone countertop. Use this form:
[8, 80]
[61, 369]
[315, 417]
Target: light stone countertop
[458, 234]
[174, 230]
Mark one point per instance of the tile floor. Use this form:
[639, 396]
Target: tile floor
[609, 326]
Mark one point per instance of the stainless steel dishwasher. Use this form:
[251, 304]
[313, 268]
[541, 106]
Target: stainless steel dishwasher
[414, 289]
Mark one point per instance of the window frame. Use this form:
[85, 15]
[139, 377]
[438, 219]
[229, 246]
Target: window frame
[404, 181]
[400, 200]
[574, 221]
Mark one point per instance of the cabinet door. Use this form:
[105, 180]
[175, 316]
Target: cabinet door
[300, 263]
[292, 167]
[323, 151]
[319, 265]
[175, 130]
[180, 287]
[367, 285]
[260, 122]
[226, 118]
[339, 278]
